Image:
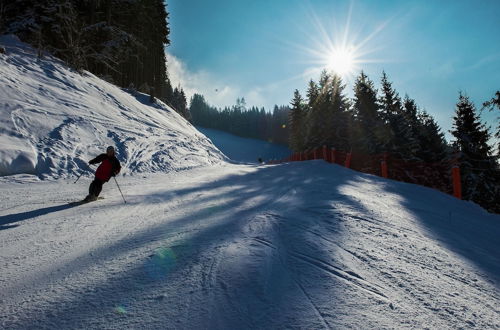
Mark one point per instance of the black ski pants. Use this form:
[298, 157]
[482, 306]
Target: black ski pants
[96, 187]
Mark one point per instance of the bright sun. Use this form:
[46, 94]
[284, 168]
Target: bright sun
[341, 61]
[337, 47]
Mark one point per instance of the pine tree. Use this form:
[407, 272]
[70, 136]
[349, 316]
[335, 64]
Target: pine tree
[180, 103]
[427, 143]
[492, 104]
[338, 115]
[279, 127]
[312, 94]
[480, 174]
[318, 118]
[327, 120]
[368, 126]
[297, 122]
[200, 111]
[398, 138]
[240, 120]
[122, 41]
[432, 144]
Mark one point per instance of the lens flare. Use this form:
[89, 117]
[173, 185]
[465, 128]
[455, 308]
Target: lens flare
[120, 310]
[161, 263]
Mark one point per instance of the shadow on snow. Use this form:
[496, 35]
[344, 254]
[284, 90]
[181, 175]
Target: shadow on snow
[6, 220]
[255, 269]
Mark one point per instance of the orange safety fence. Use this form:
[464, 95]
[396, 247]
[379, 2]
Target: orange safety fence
[443, 176]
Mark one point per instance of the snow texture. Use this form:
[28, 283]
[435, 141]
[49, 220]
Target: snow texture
[53, 120]
[303, 245]
[246, 247]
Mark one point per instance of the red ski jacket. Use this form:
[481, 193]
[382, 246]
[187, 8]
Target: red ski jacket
[110, 166]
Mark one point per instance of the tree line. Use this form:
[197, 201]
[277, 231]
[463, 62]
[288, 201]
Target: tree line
[121, 41]
[375, 121]
[242, 121]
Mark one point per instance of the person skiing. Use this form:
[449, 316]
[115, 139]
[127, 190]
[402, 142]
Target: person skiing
[110, 166]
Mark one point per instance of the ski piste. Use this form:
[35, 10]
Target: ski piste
[227, 248]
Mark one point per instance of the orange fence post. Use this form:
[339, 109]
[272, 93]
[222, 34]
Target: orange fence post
[333, 155]
[348, 160]
[384, 168]
[324, 153]
[457, 185]
[383, 164]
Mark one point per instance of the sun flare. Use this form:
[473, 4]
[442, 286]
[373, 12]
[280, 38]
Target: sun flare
[339, 46]
[341, 61]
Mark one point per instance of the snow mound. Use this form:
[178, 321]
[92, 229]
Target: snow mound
[54, 119]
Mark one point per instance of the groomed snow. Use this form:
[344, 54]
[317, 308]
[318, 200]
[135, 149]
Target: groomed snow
[53, 120]
[303, 245]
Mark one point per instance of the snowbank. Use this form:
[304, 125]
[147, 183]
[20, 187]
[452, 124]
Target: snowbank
[53, 120]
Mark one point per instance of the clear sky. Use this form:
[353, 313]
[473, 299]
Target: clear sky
[264, 49]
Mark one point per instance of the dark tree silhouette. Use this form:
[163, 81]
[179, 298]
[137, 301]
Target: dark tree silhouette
[480, 173]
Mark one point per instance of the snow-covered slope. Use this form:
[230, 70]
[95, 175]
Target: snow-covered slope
[305, 245]
[53, 120]
[245, 149]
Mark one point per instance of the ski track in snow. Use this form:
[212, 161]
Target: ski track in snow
[241, 246]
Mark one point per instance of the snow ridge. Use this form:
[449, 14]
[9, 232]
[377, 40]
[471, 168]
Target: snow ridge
[53, 120]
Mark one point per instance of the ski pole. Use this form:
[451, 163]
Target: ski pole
[78, 178]
[120, 190]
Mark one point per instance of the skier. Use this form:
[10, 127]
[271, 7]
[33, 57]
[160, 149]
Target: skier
[110, 166]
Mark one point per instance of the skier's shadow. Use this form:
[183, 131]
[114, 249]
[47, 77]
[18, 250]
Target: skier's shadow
[6, 221]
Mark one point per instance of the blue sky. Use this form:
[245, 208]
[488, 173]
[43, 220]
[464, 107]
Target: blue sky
[263, 50]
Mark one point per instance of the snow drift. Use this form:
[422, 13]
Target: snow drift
[53, 120]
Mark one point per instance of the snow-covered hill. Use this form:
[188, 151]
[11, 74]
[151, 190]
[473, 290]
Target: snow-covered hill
[53, 120]
[245, 149]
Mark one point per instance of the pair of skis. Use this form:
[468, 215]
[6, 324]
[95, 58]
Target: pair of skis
[84, 201]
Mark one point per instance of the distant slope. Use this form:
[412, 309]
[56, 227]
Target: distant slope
[53, 120]
[245, 149]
